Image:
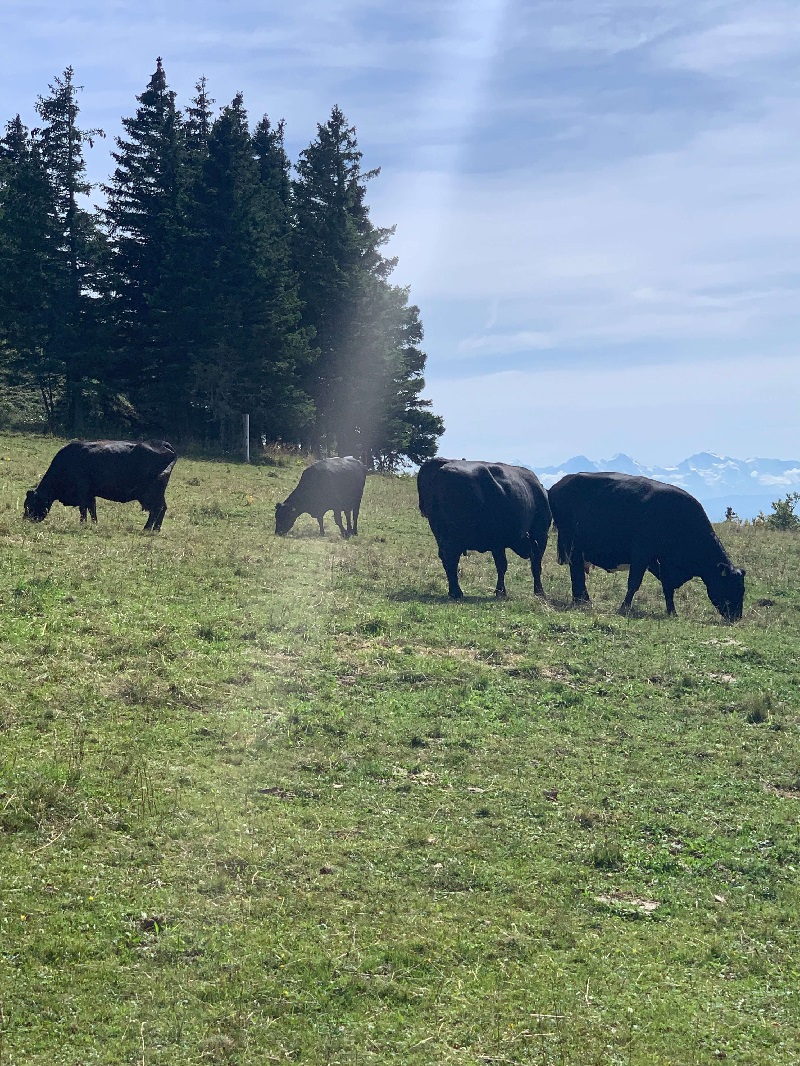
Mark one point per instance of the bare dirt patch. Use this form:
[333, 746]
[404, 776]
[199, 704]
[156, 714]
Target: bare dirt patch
[625, 901]
[786, 791]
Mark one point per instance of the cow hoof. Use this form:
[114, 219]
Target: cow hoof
[456, 594]
[501, 594]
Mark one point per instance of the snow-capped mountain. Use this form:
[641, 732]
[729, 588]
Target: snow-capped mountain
[719, 482]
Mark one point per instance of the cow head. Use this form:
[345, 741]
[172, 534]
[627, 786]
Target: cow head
[726, 590]
[285, 518]
[37, 507]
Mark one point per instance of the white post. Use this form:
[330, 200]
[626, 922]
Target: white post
[246, 442]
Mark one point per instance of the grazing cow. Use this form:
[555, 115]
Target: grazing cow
[118, 470]
[484, 507]
[619, 522]
[336, 485]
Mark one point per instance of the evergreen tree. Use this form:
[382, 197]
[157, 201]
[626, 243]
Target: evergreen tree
[146, 218]
[197, 126]
[401, 427]
[254, 347]
[334, 242]
[183, 292]
[31, 269]
[274, 172]
[282, 287]
[80, 244]
[367, 377]
[219, 274]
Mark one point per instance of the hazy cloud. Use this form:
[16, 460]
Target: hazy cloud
[657, 414]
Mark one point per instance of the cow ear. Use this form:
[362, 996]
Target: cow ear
[724, 569]
[743, 572]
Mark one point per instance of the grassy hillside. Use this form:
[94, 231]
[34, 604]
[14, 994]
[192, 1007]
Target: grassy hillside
[278, 800]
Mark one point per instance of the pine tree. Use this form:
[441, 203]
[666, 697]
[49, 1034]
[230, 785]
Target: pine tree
[334, 240]
[31, 269]
[197, 127]
[402, 427]
[274, 172]
[81, 245]
[291, 410]
[146, 218]
[183, 292]
[367, 377]
[254, 346]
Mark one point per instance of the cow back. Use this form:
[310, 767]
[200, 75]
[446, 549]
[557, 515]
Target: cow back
[336, 483]
[611, 516]
[120, 471]
[483, 506]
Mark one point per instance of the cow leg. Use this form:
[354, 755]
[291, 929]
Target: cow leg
[501, 562]
[536, 568]
[155, 518]
[635, 577]
[356, 509]
[450, 559]
[89, 505]
[669, 598]
[668, 585]
[321, 526]
[349, 522]
[577, 572]
[159, 508]
[337, 517]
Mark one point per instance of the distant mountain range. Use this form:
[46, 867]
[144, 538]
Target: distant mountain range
[746, 485]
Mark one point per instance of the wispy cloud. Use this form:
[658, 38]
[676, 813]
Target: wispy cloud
[609, 28]
[703, 241]
[746, 35]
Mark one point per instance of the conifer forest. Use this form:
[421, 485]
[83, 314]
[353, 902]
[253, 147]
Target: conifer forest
[207, 278]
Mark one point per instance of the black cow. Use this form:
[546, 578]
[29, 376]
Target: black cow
[484, 507]
[336, 485]
[618, 522]
[118, 470]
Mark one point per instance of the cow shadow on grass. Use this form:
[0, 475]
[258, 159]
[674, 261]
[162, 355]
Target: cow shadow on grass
[556, 604]
[313, 533]
[92, 529]
[412, 595]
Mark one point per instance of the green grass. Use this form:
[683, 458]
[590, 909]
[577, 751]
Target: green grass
[277, 799]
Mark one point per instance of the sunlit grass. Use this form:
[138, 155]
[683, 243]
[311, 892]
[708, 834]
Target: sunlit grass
[277, 799]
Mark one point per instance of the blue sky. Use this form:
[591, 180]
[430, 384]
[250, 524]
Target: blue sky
[597, 201]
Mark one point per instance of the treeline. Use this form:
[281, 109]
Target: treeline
[216, 280]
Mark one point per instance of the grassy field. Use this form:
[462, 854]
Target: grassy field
[278, 800]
